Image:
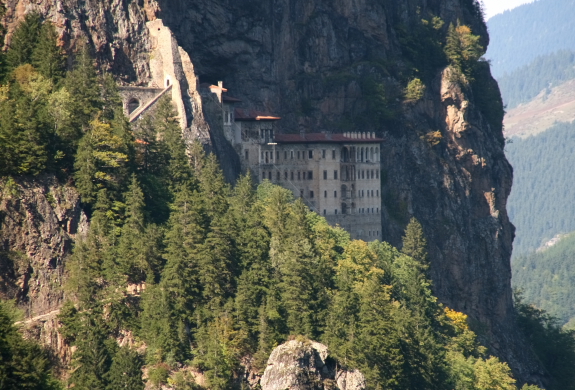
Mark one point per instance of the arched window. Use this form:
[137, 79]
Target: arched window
[133, 105]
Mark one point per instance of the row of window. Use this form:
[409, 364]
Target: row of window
[361, 210]
[303, 175]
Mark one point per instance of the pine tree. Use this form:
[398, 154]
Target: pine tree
[100, 161]
[24, 41]
[47, 57]
[137, 253]
[25, 137]
[91, 358]
[414, 242]
[82, 85]
[126, 371]
[2, 55]
[180, 277]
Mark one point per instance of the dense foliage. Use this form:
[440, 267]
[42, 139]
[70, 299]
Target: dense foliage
[199, 273]
[541, 201]
[542, 74]
[23, 365]
[526, 32]
[546, 278]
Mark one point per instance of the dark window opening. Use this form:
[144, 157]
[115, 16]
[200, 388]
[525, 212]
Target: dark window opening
[311, 194]
[324, 175]
[310, 154]
[310, 175]
[133, 105]
[335, 175]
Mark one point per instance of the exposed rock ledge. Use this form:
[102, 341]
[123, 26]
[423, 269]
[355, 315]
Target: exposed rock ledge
[306, 365]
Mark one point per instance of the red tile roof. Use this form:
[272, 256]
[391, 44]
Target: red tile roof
[253, 115]
[324, 138]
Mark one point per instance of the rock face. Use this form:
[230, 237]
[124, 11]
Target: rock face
[306, 365]
[339, 66]
[39, 219]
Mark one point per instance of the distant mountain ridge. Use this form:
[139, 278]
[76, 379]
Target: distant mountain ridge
[541, 201]
[531, 30]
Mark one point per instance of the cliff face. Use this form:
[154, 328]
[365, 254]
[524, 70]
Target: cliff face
[342, 66]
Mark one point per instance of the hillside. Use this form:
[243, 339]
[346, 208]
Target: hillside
[543, 73]
[541, 202]
[528, 31]
[546, 278]
[405, 72]
[552, 105]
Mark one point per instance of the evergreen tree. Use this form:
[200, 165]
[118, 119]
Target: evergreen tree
[180, 277]
[138, 252]
[23, 365]
[47, 57]
[414, 242]
[92, 358]
[2, 55]
[159, 327]
[100, 161]
[83, 86]
[24, 134]
[24, 41]
[126, 371]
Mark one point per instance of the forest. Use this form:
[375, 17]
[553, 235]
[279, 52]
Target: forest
[541, 201]
[531, 30]
[204, 274]
[546, 278]
[542, 74]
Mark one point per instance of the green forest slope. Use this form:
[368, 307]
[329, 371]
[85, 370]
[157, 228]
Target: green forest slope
[541, 201]
[547, 278]
[543, 73]
[518, 36]
[224, 273]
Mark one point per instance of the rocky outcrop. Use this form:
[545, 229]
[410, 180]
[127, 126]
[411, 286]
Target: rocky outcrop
[306, 365]
[341, 66]
[39, 218]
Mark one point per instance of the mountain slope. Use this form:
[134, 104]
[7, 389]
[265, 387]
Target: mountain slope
[541, 202]
[526, 32]
[547, 277]
[324, 67]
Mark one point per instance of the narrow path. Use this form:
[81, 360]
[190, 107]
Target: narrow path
[38, 318]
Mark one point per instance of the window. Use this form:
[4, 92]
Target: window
[310, 154]
[323, 153]
[325, 194]
[335, 194]
[262, 156]
[298, 157]
[277, 155]
[372, 193]
[333, 154]
[377, 211]
[270, 175]
[298, 175]
[369, 233]
[368, 193]
[291, 154]
[291, 175]
[377, 193]
[267, 158]
[377, 174]
[323, 211]
[247, 152]
[335, 175]
[324, 175]
[278, 176]
[310, 175]
[372, 210]
[285, 175]
[301, 193]
[285, 155]
[311, 194]
[335, 211]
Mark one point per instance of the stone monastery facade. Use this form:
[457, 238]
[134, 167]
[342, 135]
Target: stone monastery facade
[337, 175]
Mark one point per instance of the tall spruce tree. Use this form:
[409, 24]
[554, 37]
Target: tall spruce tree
[47, 57]
[24, 41]
[126, 371]
[91, 359]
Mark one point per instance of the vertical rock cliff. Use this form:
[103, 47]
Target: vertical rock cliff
[338, 66]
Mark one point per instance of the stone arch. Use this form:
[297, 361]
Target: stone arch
[133, 105]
